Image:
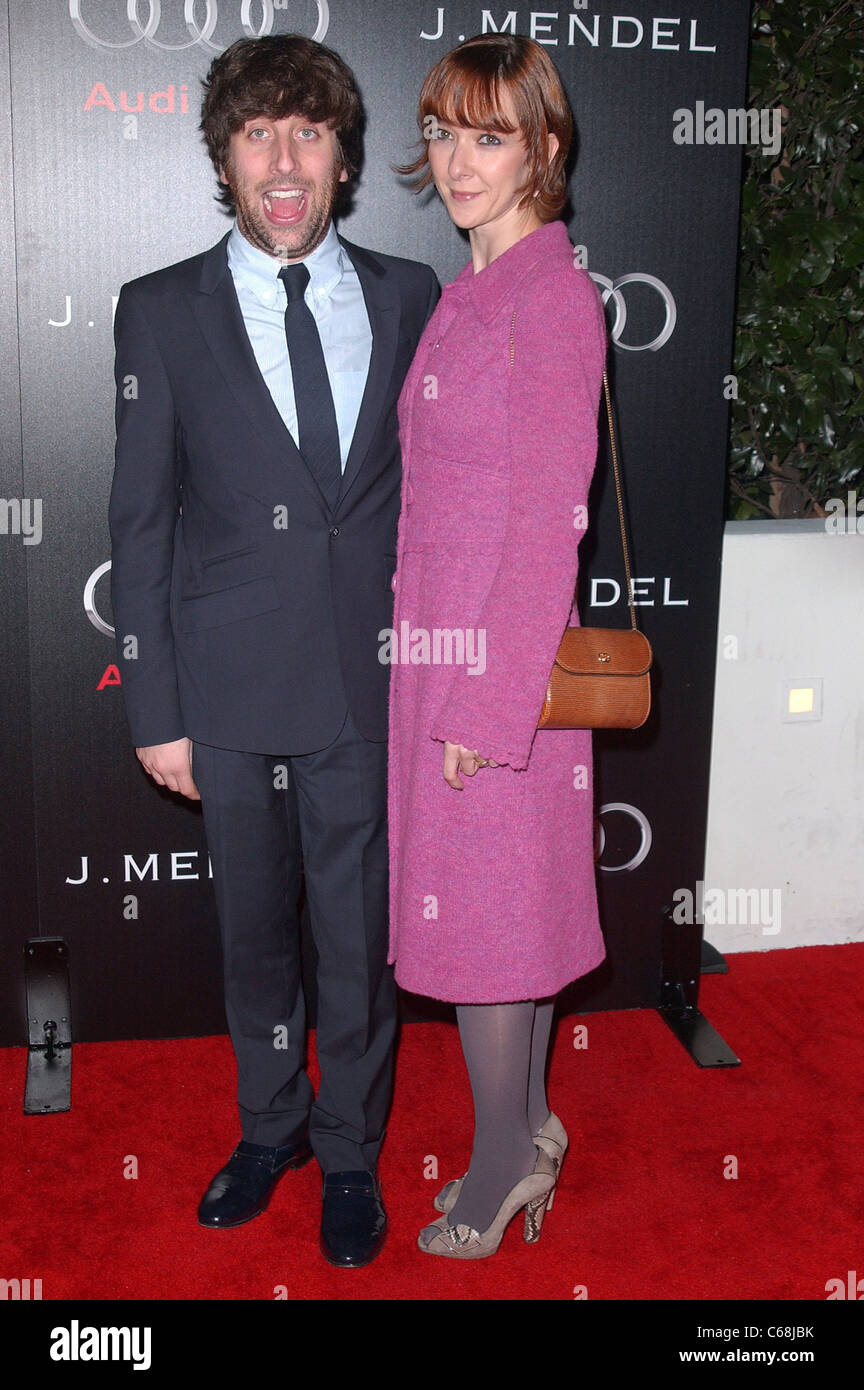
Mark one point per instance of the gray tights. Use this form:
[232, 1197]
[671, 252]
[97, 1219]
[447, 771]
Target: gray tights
[505, 1048]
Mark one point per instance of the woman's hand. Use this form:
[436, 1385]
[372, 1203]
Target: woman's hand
[459, 758]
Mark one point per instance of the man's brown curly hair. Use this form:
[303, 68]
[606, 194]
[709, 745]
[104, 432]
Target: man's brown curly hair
[277, 76]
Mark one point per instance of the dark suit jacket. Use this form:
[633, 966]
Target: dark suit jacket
[249, 603]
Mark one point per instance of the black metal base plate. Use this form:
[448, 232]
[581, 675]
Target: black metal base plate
[712, 963]
[703, 1042]
[48, 1088]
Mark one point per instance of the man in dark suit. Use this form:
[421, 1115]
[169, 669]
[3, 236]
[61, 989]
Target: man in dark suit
[253, 522]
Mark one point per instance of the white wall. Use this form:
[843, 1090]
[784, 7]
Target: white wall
[786, 802]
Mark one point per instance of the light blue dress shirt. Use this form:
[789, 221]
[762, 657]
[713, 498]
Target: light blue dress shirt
[335, 296]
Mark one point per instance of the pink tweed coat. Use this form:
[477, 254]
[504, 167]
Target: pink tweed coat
[492, 889]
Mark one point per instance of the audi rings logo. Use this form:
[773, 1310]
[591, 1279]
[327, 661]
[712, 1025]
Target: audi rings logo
[201, 33]
[90, 601]
[611, 289]
[644, 837]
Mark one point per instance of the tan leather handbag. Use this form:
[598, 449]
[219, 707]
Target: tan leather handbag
[601, 676]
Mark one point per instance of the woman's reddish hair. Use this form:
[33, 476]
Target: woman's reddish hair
[467, 87]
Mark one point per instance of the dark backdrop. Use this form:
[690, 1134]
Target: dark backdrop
[102, 192]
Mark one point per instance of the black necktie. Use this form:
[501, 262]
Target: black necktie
[313, 399]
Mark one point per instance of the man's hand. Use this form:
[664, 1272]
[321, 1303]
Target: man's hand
[170, 764]
[458, 758]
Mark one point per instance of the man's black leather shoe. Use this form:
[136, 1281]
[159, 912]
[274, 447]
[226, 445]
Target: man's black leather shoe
[353, 1220]
[245, 1185]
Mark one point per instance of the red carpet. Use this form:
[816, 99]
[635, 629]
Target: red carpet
[643, 1210]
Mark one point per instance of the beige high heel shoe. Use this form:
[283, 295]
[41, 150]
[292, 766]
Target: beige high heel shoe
[547, 1166]
[464, 1243]
[552, 1140]
[551, 1137]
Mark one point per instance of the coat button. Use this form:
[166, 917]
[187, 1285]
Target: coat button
[334, 530]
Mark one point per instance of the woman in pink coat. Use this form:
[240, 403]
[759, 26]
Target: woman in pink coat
[492, 899]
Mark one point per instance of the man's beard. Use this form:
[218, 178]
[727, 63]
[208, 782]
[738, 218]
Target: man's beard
[285, 243]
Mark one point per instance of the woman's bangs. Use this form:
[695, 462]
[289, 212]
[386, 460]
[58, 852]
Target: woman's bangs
[471, 99]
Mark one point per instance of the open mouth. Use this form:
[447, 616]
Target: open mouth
[284, 207]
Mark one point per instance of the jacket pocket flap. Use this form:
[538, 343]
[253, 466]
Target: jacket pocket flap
[230, 605]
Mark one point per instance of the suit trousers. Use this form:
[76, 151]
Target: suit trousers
[264, 817]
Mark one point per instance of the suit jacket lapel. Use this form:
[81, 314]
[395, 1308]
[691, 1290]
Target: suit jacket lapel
[382, 306]
[220, 318]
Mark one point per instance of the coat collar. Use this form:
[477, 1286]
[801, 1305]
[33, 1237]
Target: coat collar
[486, 291]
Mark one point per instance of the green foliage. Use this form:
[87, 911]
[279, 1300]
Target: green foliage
[797, 430]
